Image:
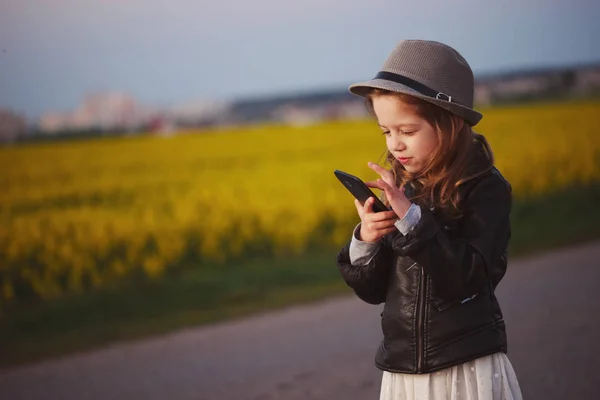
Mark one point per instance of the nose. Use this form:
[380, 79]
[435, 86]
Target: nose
[396, 143]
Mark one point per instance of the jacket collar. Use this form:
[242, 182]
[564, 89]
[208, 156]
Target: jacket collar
[482, 160]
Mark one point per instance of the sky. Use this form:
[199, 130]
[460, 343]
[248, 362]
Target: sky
[172, 52]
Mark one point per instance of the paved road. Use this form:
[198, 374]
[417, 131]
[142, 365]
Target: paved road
[325, 351]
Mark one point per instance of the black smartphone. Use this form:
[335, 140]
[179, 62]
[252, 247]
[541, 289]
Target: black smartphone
[359, 190]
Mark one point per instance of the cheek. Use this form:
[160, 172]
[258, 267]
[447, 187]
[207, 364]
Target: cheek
[428, 145]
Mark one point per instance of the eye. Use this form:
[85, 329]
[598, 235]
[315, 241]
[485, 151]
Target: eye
[385, 133]
[407, 132]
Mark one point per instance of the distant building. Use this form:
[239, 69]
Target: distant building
[50, 123]
[296, 116]
[119, 112]
[198, 113]
[537, 84]
[110, 111]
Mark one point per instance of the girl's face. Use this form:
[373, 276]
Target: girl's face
[409, 137]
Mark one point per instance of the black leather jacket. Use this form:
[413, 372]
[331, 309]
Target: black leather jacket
[438, 282]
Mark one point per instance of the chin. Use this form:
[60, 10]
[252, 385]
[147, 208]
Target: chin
[412, 170]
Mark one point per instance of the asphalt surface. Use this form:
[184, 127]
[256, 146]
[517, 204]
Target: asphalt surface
[325, 351]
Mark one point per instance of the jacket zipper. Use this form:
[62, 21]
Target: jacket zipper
[452, 303]
[420, 321]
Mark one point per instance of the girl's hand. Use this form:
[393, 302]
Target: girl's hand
[396, 197]
[374, 225]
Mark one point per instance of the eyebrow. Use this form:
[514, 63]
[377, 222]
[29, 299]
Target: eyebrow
[400, 125]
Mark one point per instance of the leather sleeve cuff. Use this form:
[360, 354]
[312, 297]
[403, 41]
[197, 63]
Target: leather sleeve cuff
[423, 231]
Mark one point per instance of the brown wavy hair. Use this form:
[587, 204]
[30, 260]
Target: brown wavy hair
[437, 184]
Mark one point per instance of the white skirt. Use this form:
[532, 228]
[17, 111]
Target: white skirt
[490, 377]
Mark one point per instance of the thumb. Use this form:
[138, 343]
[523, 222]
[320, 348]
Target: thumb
[359, 208]
[368, 207]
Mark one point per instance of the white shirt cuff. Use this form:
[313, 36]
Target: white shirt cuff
[410, 219]
[361, 253]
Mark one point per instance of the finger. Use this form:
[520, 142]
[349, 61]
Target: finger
[387, 217]
[390, 192]
[382, 232]
[382, 225]
[384, 173]
[388, 230]
[359, 208]
[385, 186]
[383, 216]
[368, 207]
[375, 226]
[373, 184]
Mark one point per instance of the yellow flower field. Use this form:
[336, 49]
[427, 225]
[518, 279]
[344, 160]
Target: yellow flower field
[83, 214]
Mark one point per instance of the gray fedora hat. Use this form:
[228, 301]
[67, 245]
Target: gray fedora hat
[431, 71]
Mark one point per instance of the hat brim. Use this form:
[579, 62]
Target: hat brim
[468, 114]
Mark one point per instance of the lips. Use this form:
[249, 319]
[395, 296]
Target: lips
[404, 160]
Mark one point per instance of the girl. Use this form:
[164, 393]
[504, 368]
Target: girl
[437, 256]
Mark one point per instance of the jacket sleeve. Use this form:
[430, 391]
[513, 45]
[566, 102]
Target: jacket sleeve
[462, 264]
[370, 281]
